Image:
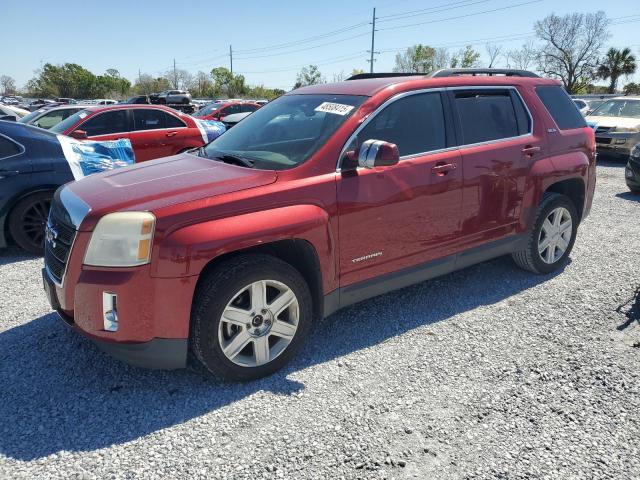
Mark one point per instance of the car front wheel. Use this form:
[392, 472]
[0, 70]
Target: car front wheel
[251, 314]
[27, 222]
[552, 237]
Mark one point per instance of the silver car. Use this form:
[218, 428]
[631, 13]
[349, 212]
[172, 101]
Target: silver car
[49, 117]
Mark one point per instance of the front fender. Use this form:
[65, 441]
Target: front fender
[186, 251]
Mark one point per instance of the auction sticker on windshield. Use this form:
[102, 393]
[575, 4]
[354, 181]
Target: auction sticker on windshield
[337, 108]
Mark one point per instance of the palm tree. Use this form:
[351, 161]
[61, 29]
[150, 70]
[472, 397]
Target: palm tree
[615, 64]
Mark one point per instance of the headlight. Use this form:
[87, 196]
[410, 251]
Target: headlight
[121, 239]
[635, 151]
[623, 130]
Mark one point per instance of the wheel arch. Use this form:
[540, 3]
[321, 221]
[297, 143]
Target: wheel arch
[574, 189]
[298, 253]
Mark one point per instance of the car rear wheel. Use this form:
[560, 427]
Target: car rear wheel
[551, 240]
[27, 222]
[251, 314]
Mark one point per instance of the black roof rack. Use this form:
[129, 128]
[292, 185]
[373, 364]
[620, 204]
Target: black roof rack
[507, 72]
[361, 76]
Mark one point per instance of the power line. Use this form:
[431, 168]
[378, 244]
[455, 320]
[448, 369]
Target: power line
[461, 16]
[431, 10]
[328, 61]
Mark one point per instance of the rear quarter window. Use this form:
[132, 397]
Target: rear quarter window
[561, 107]
[8, 148]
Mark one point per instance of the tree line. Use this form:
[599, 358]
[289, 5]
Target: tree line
[569, 48]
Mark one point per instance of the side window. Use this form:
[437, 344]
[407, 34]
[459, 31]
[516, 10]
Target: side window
[148, 119]
[114, 121]
[487, 115]
[249, 108]
[414, 123]
[50, 119]
[172, 122]
[230, 110]
[561, 107]
[8, 148]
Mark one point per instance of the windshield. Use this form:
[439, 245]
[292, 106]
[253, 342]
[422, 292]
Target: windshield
[69, 122]
[618, 108]
[209, 109]
[27, 118]
[286, 132]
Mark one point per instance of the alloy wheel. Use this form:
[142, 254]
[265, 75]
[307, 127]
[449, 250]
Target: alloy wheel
[555, 235]
[259, 323]
[34, 220]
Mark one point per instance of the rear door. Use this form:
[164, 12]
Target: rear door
[498, 147]
[156, 134]
[407, 214]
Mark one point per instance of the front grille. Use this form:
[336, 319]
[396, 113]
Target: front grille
[604, 140]
[58, 241]
[603, 129]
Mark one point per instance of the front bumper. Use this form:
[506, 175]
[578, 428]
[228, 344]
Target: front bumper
[632, 174]
[153, 314]
[616, 144]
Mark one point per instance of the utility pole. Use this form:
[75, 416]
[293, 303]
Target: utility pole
[231, 58]
[373, 41]
[139, 77]
[175, 75]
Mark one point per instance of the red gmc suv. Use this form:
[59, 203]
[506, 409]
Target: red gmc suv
[327, 196]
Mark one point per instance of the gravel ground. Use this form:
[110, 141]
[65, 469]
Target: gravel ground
[485, 373]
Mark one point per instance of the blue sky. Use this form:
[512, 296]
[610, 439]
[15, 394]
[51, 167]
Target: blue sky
[129, 35]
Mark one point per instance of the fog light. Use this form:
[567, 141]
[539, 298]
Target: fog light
[621, 141]
[110, 311]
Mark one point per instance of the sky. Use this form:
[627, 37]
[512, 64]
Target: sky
[271, 40]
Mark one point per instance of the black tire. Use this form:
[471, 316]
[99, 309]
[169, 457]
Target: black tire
[634, 191]
[529, 258]
[218, 287]
[27, 222]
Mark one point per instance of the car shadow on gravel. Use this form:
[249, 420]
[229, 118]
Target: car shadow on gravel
[60, 393]
[13, 255]
[632, 197]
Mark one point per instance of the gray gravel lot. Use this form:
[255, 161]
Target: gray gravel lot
[490, 372]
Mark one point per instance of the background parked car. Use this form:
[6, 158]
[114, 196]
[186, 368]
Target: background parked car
[138, 100]
[617, 123]
[218, 111]
[32, 167]
[632, 171]
[154, 130]
[174, 96]
[582, 106]
[231, 120]
[39, 103]
[11, 111]
[49, 117]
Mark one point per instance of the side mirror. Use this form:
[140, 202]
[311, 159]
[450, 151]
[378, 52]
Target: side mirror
[378, 153]
[79, 134]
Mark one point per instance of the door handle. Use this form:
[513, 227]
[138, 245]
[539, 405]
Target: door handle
[171, 134]
[8, 173]
[530, 150]
[441, 169]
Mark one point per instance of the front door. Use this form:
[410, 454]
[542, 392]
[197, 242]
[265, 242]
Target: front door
[156, 134]
[407, 214]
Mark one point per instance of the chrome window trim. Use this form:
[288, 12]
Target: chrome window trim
[20, 146]
[399, 96]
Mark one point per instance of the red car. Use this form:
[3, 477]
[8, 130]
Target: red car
[327, 196]
[155, 131]
[219, 110]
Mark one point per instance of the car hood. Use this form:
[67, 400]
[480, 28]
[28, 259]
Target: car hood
[625, 122]
[164, 182]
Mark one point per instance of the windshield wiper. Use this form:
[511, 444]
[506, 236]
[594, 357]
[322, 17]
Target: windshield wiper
[234, 159]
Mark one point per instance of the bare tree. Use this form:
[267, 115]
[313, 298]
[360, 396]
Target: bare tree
[523, 58]
[493, 52]
[571, 48]
[7, 84]
[442, 58]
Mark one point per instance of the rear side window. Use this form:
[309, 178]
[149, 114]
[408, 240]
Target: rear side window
[8, 148]
[561, 107]
[173, 122]
[487, 115]
[414, 123]
[107, 123]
